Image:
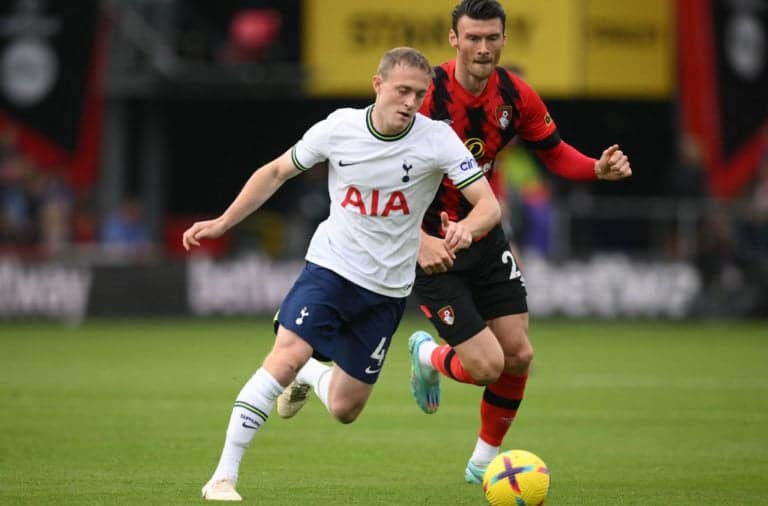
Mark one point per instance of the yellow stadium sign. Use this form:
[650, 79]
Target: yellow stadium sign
[564, 46]
[628, 48]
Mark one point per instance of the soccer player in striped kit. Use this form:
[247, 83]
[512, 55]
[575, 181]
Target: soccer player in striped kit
[477, 299]
[385, 164]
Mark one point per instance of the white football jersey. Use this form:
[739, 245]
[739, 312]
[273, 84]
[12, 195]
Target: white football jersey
[380, 187]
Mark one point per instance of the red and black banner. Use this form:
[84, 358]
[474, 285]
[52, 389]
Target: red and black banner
[51, 62]
[723, 63]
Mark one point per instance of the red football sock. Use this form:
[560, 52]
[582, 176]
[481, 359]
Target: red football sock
[445, 360]
[499, 407]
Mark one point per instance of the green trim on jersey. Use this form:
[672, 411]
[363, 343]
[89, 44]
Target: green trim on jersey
[381, 136]
[470, 180]
[296, 160]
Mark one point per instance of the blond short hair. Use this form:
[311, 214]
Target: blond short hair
[404, 56]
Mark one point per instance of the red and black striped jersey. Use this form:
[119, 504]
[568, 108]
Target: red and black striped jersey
[486, 123]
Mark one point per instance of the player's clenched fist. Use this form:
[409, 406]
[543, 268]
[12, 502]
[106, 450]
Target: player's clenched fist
[613, 164]
[456, 235]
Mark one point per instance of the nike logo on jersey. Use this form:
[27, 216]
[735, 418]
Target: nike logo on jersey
[342, 164]
[368, 370]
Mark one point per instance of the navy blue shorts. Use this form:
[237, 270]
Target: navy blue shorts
[342, 321]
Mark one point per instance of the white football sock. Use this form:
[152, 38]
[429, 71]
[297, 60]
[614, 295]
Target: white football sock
[318, 375]
[484, 453]
[251, 410]
[425, 353]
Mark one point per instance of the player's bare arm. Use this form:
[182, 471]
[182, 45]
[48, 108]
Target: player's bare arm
[613, 165]
[260, 186]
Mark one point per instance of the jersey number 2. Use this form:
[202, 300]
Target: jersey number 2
[508, 258]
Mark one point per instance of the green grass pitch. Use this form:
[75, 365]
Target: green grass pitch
[134, 413]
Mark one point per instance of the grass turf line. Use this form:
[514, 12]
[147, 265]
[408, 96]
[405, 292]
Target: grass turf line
[624, 413]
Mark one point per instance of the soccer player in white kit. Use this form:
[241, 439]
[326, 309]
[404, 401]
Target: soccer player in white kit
[385, 164]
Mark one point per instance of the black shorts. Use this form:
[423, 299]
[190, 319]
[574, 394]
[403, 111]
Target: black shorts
[484, 283]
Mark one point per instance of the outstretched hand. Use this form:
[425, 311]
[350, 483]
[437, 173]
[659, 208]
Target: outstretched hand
[613, 165]
[209, 229]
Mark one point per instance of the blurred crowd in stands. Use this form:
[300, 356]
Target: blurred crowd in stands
[727, 241]
[42, 217]
[732, 253]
